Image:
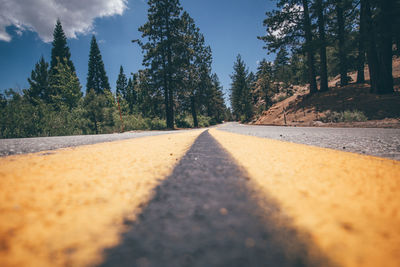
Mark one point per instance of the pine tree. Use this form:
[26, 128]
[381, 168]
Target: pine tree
[162, 49]
[131, 95]
[66, 88]
[217, 100]
[291, 27]
[60, 50]
[122, 84]
[263, 90]
[196, 69]
[39, 83]
[240, 91]
[281, 66]
[97, 78]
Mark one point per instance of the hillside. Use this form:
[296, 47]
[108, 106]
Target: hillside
[323, 109]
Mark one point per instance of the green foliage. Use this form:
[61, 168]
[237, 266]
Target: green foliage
[39, 83]
[122, 84]
[131, 94]
[99, 110]
[177, 80]
[281, 66]
[21, 118]
[241, 99]
[186, 121]
[65, 87]
[163, 49]
[60, 50]
[344, 116]
[96, 78]
[134, 122]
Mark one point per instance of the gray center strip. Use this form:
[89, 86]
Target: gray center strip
[204, 215]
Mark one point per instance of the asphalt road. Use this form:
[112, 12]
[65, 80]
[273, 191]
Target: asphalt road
[369, 141]
[204, 214]
[36, 144]
[203, 198]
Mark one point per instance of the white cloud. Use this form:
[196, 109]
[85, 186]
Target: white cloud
[41, 15]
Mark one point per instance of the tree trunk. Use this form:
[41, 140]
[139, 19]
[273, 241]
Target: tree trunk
[341, 39]
[322, 39]
[170, 94]
[309, 48]
[95, 124]
[166, 93]
[194, 112]
[385, 82]
[372, 56]
[361, 46]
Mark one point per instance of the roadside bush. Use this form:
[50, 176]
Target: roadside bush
[134, 122]
[344, 116]
[20, 118]
[205, 121]
[156, 124]
[349, 116]
[184, 121]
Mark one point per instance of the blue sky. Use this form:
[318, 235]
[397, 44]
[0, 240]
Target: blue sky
[230, 27]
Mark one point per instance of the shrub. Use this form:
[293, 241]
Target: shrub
[184, 121]
[346, 116]
[205, 121]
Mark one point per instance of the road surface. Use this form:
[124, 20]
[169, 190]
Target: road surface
[14, 146]
[369, 141]
[208, 197]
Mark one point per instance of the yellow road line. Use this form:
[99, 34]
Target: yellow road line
[348, 203]
[64, 207]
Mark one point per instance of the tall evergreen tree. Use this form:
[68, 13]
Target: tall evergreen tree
[122, 84]
[39, 83]
[60, 50]
[131, 94]
[97, 78]
[218, 102]
[164, 42]
[195, 69]
[291, 27]
[264, 84]
[240, 91]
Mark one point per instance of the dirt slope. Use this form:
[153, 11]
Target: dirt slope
[304, 110]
